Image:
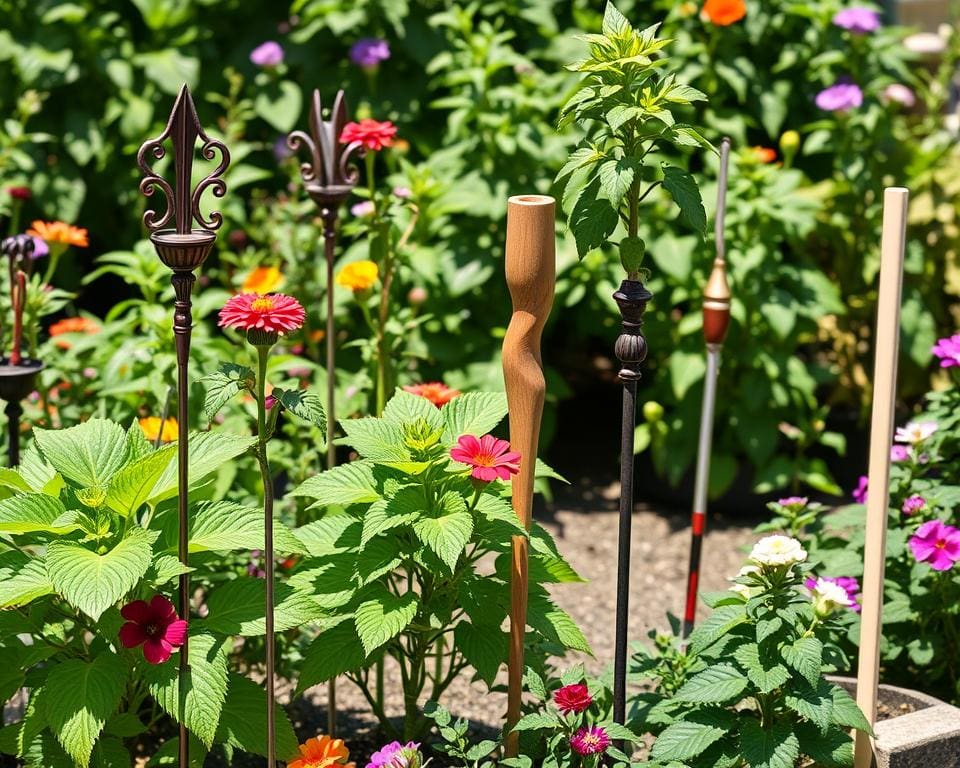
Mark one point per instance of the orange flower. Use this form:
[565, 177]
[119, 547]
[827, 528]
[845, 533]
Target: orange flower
[152, 426]
[436, 392]
[262, 280]
[72, 325]
[322, 752]
[59, 232]
[723, 13]
[765, 154]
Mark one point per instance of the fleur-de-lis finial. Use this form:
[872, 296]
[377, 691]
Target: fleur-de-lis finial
[329, 176]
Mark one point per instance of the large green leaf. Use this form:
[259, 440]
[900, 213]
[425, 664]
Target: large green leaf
[386, 514]
[484, 646]
[716, 625]
[383, 616]
[22, 579]
[206, 685]
[375, 439]
[333, 652]
[92, 582]
[133, 485]
[208, 451]
[243, 721]
[715, 685]
[407, 408]
[346, 484]
[762, 666]
[80, 697]
[238, 608]
[330, 535]
[473, 413]
[218, 526]
[685, 739]
[223, 384]
[556, 624]
[833, 749]
[846, 712]
[34, 513]
[683, 188]
[774, 747]
[303, 404]
[447, 529]
[88, 454]
[813, 703]
[805, 655]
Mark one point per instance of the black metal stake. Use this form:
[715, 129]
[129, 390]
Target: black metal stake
[631, 351]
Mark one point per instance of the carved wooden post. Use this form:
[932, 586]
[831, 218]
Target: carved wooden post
[531, 276]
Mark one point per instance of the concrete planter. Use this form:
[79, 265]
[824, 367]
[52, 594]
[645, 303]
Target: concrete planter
[926, 737]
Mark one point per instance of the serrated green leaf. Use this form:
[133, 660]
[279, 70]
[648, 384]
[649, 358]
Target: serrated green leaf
[684, 740]
[85, 695]
[484, 646]
[304, 404]
[406, 506]
[206, 685]
[813, 703]
[715, 685]
[331, 535]
[34, 513]
[616, 176]
[615, 24]
[22, 579]
[473, 413]
[833, 749]
[446, 529]
[208, 451]
[592, 219]
[352, 483]
[222, 385]
[774, 747]
[88, 454]
[537, 721]
[375, 439]
[716, 625]
[92, 582]
[805, 655]
[219, 526]
[238, 607]
[109, 753]
[383, 616]
[556, 624]
[846, 712]
[762, 666]
[406, 408]
[683, 188]
[380, 556]
[133, 485]
[43, 751]
[243, 721]
[333, 652]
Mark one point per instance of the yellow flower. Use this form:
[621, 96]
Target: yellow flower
[358, 276]
[262, 280]
[322, 752]
[151, 426]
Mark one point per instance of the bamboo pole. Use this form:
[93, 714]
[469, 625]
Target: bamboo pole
[531, 276]
[887, 340]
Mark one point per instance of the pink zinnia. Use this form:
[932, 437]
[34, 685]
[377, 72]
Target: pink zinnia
[273, 312]
[590, 741]
[937, 544]
[913, 504]
[572, 698]
[370, 134]
[155, 626]
[490, 457]
[948, 350]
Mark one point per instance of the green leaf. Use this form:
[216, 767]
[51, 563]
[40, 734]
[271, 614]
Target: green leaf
[88, 454]
[406, 408]
[331, 535]
[716, 625]
[34, 513]
[846, 712]
[833, 749]
[243, 722]
[556, 624]
[386, 514]
[43, 751]
[110, 753]
[484, 646]
[238, 607]
[774, 747]
[208, 452]
[343, 485]
[446, 529]
[22, 579]
[683, 188]
[11, 478]
[813, 703]
[593, 219]
[684, 740]
[378, 557]
[206, 685]
[805, 655]
[279, 104]
[473, 413]
[615, 24]
[168, 754]
[91, 582]
[333, 652]
[715, 685]
[537, 721]
[222, 385]
[616, 176]
[375, 439]
[84, 696]
[219, 526]
[303, 404]
[762, 665]
[382, 618]
[133, 485]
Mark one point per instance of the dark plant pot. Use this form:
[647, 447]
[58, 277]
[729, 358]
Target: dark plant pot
[17, 381]
[925, 736]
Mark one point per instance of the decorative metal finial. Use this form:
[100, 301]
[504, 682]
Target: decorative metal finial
[716, 294]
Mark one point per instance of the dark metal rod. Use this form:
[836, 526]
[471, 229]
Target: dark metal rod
[329, 215]
[13, 410]
[623, 556]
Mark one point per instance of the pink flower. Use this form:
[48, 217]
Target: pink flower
[899, 453]
[847, 583]
[363, 208]
[840, 97]
[268, 54]
[858, 20]
[436, 392]
[590, 741]
[155, 626]
[913, 504]
[794, 502]
[948, 350]
[898, 93]
[860, 492]
[273, 313]
[915, 432]
[404, 193]
[397, 755]
[572, 698]
[936, 543]
[490, 457]
[369, 133]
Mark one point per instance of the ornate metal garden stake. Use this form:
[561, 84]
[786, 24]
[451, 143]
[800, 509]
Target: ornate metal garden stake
[329, 179]
[716, 319]
[183, 249]
[531, 277]
[631, 351]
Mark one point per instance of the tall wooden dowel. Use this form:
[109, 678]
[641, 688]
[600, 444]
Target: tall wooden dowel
[887, 344]
[531, 276]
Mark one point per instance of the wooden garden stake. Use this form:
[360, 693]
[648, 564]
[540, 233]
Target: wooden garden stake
[716, 319]
[887, 342]
[531, 276]
[183, 248]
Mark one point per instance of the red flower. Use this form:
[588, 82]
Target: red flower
[155, 626]
[572, 698]
[19, 193]
[590, 741]
[273, 313]
[436, 392]
[371, 134]
[490, 458]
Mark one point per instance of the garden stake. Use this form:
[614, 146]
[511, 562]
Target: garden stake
[329, 179]
[531, 277]
[716, 318]
[887, 341]
[17, 375]
[631, 350]
[183, 249]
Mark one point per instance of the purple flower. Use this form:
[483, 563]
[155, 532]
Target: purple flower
[268, 54]
[936, 543]
[40, 248]
[898, 93]
[397, 755]
[840, 97]
[858, 20]
[797, 502]
[947, 349]
[281, 151]
[913, 504]
[860, 492]
[847, 583]
[899, 453]
[368, 52]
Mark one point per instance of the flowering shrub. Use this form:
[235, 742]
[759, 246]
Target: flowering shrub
[395, 555]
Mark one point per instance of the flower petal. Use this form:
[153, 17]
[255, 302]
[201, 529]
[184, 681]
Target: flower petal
[131, 635]
[138, 611]
[156, 650]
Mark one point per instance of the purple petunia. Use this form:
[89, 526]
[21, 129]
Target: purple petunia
[840, 97]
[847, 583]
[937, 544]
[859, 20]
[268, 54]
[948, 350]
[368, 52]
[860, 492]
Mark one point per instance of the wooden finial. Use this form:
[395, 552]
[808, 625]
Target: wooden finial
[716, 294]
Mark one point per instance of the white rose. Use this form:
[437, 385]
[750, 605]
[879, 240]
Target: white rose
[775, 551]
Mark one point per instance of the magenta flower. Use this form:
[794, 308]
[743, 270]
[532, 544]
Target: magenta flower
[859, 20]
[794, 502]
[898, 93]
[913, 504]
[268, 54]
[948, 350]
[860, 492]
[155, 626]
[369, 52]
[363, 208]
[397, 755]
[572, 698]
[937, 544]
[899, 453]
[490, 457]
[590, 741]
[840, 97]
[40, 248]
[847, 583]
